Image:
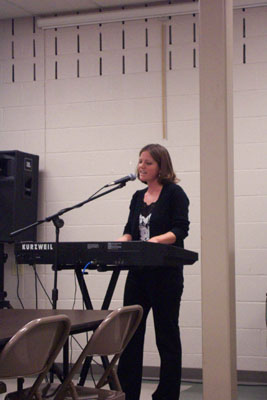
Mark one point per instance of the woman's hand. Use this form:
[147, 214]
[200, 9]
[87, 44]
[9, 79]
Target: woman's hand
[166, 238]
[154, 239]
[124, 238]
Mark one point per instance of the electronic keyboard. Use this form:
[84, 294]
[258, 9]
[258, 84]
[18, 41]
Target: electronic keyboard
[125, 255]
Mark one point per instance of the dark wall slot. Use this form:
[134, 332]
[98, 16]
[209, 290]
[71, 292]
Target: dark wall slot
[170, 34]
[33, 25]
[100, 41]
[244, 54]
[78, 43]
[123, 64]
[170, 60]
[56, 46]
[100, 66]
[33, 48]
[123, 39]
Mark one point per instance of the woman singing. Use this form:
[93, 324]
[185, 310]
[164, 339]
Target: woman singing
[159, 214]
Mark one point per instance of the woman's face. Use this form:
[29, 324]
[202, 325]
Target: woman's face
[148, 168]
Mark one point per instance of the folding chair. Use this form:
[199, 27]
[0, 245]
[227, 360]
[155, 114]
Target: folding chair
[32, 351]
[109, 339]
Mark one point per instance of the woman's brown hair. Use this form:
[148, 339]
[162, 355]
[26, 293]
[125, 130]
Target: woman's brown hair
[161, 155]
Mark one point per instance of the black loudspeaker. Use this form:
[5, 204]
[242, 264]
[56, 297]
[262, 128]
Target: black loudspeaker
[18, 194]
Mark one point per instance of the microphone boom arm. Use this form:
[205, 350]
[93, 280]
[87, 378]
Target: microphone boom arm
[65, 210]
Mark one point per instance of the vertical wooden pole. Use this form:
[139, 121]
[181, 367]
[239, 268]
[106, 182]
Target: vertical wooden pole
[217, 200]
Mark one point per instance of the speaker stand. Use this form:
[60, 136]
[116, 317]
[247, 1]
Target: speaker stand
[3, 257]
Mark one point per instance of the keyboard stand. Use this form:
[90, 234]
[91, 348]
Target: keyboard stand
[106, 303]
[83, 288]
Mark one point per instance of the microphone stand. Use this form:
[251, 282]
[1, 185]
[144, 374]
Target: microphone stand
[59, 223]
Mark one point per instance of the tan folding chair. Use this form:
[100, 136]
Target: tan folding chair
[109, 339]
[32, 351]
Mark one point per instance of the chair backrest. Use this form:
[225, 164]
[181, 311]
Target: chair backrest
[33, 349]
[110, 338]
[114, 333]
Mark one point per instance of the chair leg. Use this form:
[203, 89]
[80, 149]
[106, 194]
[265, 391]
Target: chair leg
[68, 391]
[20, 382]
[110, 375]
[73, 391]
[2, 387]
[107, 377]
[38, 396]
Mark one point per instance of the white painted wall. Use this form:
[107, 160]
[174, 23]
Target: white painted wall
[88, 130]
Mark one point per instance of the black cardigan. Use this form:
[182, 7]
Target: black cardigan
[169, 214]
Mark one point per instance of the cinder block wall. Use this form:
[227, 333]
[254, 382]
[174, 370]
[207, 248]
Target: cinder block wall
[86, 99]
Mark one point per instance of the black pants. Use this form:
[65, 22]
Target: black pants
[161, 290]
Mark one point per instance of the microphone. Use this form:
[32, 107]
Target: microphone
[130, 177]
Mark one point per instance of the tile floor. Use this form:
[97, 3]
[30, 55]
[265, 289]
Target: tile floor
[193, 391]
[189, 391]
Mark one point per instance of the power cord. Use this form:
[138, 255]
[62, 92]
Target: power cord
[18, 282]
[37, 278]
